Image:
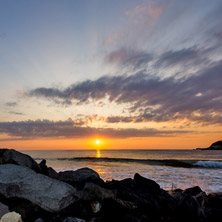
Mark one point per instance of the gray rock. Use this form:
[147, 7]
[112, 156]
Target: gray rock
[90, 185]
[43, 167]
[11, 217]
[15, 157]
[50, 194]
[96, 194]
[39, 220]
[52, 173]
[80, 176]
[73, 219]
[3, 209]
[96, 206]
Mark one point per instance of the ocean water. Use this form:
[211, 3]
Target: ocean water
[169, 168]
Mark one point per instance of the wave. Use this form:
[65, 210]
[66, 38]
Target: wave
[213, 164]
[209, 164]
[165, 162]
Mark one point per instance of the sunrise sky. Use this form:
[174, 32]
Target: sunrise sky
[133, 74]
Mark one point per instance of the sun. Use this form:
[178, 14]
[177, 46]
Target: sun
[98, 142]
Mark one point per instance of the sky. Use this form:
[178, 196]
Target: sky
[134, 74]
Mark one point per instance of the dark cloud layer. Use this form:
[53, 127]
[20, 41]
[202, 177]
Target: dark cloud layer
[25, 130]
[198, 98]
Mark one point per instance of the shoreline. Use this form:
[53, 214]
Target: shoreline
[40, 194]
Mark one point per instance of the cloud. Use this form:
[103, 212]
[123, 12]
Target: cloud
[197, 97]
[11, 104]
[16, 113]
[25, 130]
[184, 56]
[146, 13]
[129, 58]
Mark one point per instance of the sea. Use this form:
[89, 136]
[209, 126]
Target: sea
[171, 169]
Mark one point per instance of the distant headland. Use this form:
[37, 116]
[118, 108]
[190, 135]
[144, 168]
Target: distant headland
[214, 146]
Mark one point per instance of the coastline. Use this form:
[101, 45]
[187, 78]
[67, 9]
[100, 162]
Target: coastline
[88, 198]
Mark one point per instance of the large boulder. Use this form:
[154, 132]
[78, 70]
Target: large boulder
[49, 194]
[146, 184]
[193, 191]
[15, 157]
[80, 176]
[96, 194]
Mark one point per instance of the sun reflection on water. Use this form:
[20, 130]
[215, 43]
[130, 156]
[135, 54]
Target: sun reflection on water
[98, 154]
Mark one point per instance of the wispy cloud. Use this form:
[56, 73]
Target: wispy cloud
[16, 113]
[186, 56]
[11, 104]
[147, 12]
[25, 130]
[129, 58]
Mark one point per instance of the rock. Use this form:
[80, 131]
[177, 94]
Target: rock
[86, 185]
[126, 191]
[43, 167]
[190, 210]
[193, 191]
[39, 220]
[126, 184]
[215, 200]
[15, 157]
[52, 173]
[11, 217]
[29, 211]
[213, 214]
[202, 199]
[21, 182]
[146, 184]
[73, 219]
[96, 194]
[80, 176]
[3, 209]
[177, 194]
[57, 218]
[96, 206]
[118, 210]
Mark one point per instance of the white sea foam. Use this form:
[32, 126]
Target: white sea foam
[209, 164]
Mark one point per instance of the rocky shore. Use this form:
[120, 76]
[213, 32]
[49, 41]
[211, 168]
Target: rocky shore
[39, 194]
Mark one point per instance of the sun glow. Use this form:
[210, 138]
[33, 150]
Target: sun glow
[98, 142]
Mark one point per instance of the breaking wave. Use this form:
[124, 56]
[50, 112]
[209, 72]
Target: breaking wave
[208, 164]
